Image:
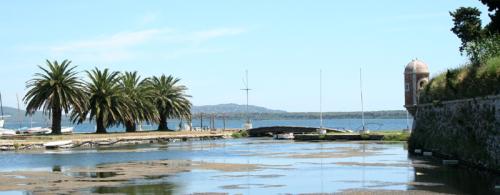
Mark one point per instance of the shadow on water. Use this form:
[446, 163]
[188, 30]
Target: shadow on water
[455, 179]
[161, 188]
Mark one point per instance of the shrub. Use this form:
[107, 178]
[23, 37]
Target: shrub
[396, 137]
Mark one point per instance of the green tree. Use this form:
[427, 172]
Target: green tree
[170, 99]
[493, 6]
[107, 103]
[467, 25]
[56, 89]
[141, 96]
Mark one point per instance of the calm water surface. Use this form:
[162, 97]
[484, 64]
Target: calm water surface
[353, 124]
[297, 168]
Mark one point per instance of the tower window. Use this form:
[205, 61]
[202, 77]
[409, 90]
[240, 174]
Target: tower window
[407, 87]
[421, 83]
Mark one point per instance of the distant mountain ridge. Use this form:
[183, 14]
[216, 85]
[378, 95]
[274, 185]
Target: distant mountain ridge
[232, 108]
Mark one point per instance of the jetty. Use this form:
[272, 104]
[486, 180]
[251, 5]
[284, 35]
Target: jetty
[27, 142]
[269, 131]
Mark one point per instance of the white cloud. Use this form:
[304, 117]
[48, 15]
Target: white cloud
[119, 40]
[215, 33]
[129, 45]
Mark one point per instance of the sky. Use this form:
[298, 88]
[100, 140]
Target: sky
[209, 44]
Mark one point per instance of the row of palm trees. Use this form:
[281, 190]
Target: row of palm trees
[108, 97]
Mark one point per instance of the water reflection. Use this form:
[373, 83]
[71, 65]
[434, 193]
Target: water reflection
[162, 188]
[455, 180]
[283, 167]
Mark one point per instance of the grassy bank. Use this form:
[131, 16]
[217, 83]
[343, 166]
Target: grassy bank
[388, 136]
[468, 81]
[239, 134]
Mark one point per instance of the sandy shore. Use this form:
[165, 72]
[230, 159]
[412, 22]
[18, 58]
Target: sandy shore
[75, 179]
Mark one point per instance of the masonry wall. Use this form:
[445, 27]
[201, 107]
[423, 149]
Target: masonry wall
[468, 130]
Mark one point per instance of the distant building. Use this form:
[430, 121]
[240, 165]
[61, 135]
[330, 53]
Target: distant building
[416, 77]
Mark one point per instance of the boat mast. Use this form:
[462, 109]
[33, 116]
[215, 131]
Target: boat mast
[1, 106]
[18, 111]
[362, 104]
[320, 100]
[247, 90]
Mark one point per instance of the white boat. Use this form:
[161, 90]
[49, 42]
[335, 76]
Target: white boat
[64, 130]
[284, 136]
[2, 122]
[7, 132]
[59, 144]
[37, 131]
[44, 130]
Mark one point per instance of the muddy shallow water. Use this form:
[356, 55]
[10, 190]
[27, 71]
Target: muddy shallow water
[240, 166]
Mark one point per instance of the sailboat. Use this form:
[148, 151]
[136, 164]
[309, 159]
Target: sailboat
[248, 123]
[3, 131]
[2, 120]
[363, 130]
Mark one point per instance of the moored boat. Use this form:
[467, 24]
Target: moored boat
[7, 132]
[284, 136]
[37, 131]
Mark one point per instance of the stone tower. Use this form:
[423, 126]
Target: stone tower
[416, 77]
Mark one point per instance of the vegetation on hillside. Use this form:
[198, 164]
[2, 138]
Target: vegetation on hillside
[108, 97]
[389, 114]
[481, 75]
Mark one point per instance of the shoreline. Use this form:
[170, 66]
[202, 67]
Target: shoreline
[79, 140]
[90, 140]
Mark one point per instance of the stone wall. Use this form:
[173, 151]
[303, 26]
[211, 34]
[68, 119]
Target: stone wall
[468, 130]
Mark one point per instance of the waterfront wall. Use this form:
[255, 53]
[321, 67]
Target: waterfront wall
[468, 130]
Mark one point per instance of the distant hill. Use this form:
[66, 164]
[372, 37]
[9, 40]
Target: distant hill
[232, 112]
[15, 115]
[233, 108]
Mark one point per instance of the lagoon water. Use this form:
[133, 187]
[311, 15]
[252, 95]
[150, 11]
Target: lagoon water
[286, 167]
[353, 124]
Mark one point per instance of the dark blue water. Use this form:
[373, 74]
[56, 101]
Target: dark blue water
[352, 124]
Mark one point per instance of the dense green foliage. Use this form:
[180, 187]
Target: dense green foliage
[481, 76]
[54, 90]
[240, 134]
[467, 23]
[109, 97]
[464, 82]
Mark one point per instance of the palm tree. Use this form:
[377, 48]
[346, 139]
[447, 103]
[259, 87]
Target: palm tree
[140, 95]
[170, 99]
[107, 102]
[56, 89]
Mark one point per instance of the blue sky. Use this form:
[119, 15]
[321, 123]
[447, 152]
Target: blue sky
[210, 44]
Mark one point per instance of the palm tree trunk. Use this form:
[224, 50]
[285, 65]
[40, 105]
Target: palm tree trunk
[130, 126]
[100, 125]
[163, 123]
[56, 120]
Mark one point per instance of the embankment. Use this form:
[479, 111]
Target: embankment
[467, 130]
